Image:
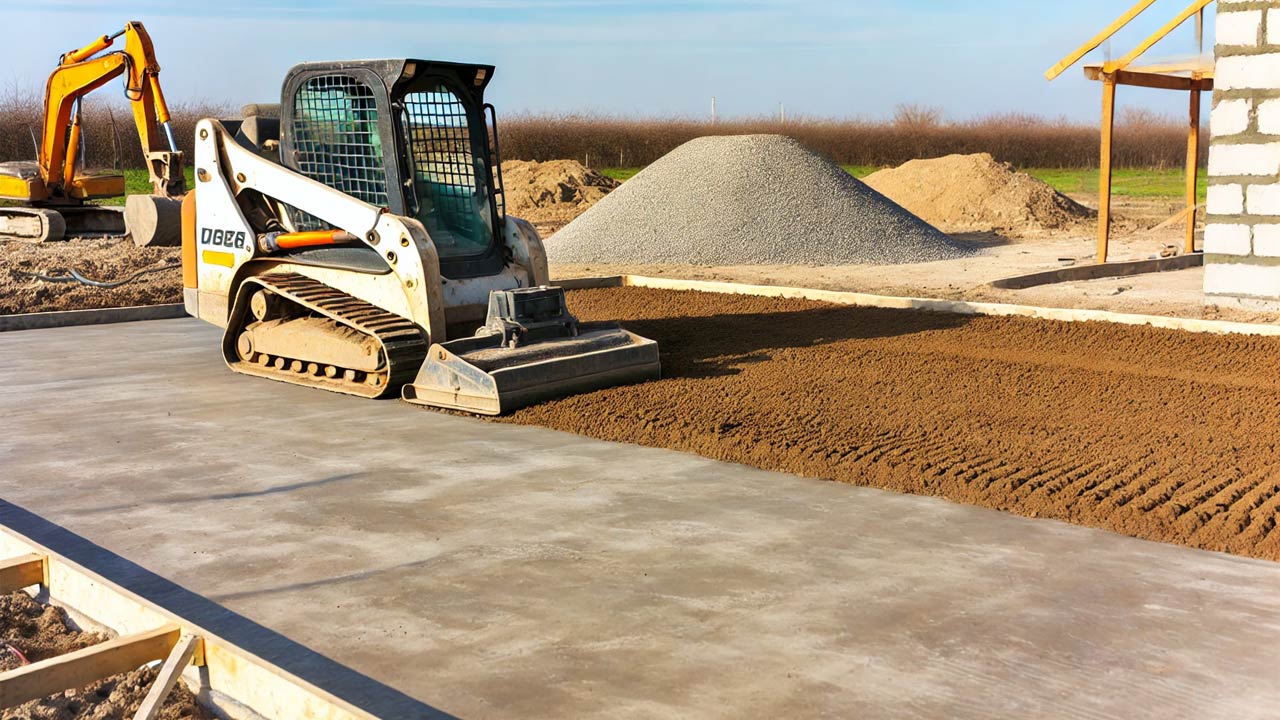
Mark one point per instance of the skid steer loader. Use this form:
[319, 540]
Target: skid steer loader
[375, 256]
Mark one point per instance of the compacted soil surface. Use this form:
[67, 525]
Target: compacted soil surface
[1159, 434]
[31, 631]
[105, 260]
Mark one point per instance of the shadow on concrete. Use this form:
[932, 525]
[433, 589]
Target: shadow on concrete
[341, 681]
[216, 497]
[338, 580]
[713, 345]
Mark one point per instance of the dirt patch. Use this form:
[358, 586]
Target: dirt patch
[105, 260]
[1158, 434]
[39, 632]
[974, 193]
[551, 194]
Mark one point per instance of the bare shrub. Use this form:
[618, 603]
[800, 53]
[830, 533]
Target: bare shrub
[1142, 139]
[1021, 139]
[110, 135]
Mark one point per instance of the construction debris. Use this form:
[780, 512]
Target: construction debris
[974, 193]
[748, 200]
[551, 194]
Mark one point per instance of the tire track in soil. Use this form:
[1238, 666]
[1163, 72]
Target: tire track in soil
[1154, 433]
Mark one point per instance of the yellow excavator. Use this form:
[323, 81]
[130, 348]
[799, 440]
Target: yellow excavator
[359, 244]
[54, 193]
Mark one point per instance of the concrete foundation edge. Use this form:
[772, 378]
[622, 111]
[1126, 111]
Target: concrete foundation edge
[960, 307]
[235, 682]
[101, 316]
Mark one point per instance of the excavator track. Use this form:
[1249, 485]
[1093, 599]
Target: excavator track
[351, 322]
[38, 224]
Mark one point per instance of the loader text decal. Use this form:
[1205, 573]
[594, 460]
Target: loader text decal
[222, 238]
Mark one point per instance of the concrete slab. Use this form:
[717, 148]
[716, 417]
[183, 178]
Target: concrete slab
[499, 571]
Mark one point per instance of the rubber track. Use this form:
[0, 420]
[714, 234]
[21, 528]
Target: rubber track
[403, 344]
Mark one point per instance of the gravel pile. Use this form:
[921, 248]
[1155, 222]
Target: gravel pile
[748, 200]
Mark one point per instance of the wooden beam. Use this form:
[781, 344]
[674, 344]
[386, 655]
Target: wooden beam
[81, 667]
[1097, 40]
[170, 672]
[1156, 37]
[1151, 80]
[1193, 164]
[1201, 65]
[24, 571]
[1104, 166]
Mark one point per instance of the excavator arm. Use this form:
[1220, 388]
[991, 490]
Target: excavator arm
[84, 70]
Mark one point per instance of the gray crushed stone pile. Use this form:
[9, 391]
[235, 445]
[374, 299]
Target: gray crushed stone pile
[748, 200]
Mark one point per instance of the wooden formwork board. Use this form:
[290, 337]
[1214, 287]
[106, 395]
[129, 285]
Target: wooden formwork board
[962, 307]
[231, 680]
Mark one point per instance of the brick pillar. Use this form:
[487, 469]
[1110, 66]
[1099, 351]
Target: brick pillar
[1242, 232]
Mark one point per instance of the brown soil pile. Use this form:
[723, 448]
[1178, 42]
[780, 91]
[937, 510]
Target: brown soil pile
[974, 193]
[551, 194]
[1158, 434]
[41, 631]
[104, 260]
[37, 631]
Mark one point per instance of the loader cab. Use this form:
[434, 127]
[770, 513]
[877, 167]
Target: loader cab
[408, 135]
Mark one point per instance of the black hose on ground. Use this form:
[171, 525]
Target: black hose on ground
[63, 275]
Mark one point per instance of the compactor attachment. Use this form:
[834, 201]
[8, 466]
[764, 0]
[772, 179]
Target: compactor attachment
[529, 349]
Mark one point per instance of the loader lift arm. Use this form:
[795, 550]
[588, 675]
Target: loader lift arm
[84, 70]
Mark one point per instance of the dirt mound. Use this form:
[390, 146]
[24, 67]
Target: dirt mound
[109, 260]
[974, 193]
[552, 193]
[1111, 426]
[748, 200]
[38, 632]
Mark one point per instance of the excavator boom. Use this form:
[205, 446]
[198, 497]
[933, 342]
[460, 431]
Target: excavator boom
[53, 189]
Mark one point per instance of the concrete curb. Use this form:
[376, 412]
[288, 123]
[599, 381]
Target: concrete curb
[1100, 270]
[102, 316]
[961, 307]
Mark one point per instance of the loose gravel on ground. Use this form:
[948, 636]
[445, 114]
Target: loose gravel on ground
[1159, 434]
[745, 200]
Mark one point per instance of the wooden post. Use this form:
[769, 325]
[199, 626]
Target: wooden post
[1193, 154]
[170, 672]
[1104, 164]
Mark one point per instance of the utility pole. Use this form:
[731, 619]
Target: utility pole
[713, 109]
[782, 113]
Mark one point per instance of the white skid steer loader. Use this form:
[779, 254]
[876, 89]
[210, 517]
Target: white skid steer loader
[379, 235]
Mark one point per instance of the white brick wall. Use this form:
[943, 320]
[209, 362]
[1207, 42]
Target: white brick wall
[1239, 28]
[1269, 111]
[1229, 117]
[1244, 159]
[1242, 229]
[1225, 200]
[1237, 279]
[1266, 240]
[1222, 239]
[1263, 200]
[1247, 71]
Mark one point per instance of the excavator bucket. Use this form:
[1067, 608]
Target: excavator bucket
[530, 349]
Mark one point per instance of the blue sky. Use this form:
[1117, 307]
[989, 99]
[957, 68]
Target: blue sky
[828, 58]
